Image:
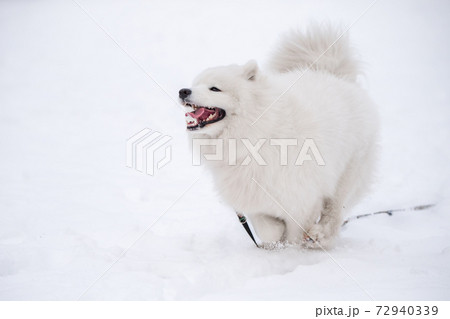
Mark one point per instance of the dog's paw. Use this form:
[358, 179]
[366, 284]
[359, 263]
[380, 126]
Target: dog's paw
[316, 237]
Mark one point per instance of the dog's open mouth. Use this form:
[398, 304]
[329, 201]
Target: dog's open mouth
[202, 115]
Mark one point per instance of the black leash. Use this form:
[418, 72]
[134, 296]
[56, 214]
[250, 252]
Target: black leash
[388, 212]
[244, 223]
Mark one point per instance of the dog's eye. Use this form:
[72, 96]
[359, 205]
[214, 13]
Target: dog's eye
[214, 89]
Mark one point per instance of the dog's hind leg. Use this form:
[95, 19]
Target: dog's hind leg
[352, 185]
[321, 234]
[296, 227]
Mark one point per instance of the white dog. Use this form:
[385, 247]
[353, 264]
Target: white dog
[299, 139]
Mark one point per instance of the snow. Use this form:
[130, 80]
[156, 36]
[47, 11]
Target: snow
[69, 206]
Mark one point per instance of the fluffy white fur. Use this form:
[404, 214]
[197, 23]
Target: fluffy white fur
[293, 99]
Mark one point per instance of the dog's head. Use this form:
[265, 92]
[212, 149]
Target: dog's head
[217, 96]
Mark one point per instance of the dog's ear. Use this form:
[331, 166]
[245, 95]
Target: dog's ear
[250, 70]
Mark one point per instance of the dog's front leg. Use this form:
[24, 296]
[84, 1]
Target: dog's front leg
[269, 229]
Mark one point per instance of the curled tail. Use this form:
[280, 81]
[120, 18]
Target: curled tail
[321, 48]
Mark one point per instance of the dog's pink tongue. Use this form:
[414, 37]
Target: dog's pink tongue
[201, 113]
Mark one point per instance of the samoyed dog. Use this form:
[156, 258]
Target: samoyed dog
[292, 146]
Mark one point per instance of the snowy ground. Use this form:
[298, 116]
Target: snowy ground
[69, 206]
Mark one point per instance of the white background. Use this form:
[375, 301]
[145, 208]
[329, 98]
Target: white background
[69, 206]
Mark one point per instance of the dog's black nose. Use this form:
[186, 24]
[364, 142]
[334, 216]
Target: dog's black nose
[184, 93]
